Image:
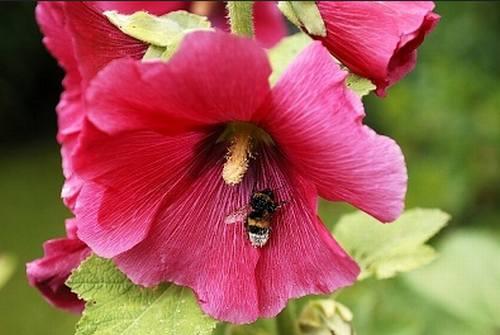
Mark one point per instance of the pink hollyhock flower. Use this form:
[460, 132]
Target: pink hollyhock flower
[377, 39]
[49, 273]
[84, 41]
[172, 150]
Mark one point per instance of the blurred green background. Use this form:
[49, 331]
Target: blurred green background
[445, 115]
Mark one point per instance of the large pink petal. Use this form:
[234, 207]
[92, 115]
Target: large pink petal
[301, 257]
[270, 26]
[191, 245]
[58, 40]
[320, 131]
[49, 273]
[71, 228]
[97, 42]
[70, 111]
[125, 179]
[377, 40]
[72, 182]
[52, 21]
[213, 78]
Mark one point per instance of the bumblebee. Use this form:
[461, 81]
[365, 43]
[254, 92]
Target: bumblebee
[258, 221]
[257, 216]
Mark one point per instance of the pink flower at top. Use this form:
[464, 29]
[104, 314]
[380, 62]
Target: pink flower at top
[377, 39]
[172, 150]
[49, 273]
[84, 41]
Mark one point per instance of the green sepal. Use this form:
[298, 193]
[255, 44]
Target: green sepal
[286, 8]
[162, 33]
[383, 250]
[156, 30]
[114, 305]
[162, 53]
[153, 52]
[284, 52]
[304, 14]
[361, 86]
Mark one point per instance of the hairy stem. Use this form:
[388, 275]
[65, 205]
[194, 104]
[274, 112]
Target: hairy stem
[241, 17]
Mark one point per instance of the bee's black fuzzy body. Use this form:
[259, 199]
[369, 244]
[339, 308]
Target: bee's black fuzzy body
[258, 221]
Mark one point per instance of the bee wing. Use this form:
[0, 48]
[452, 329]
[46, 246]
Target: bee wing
[238, 215]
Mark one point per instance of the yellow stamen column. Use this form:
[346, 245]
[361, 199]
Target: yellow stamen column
[237, 158]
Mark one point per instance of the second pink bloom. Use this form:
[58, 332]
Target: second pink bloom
[377, 39]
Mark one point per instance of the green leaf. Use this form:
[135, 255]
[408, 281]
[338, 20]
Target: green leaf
[286, 320]
[6, 268]
[361, 86]
[188, 21]
[153, 52]
[162, 33]
[284, 52]
[383, 250]
[115, 306]
[465, 279]
[325, 317]
[260, 327]
[304, 14]
[390, 307]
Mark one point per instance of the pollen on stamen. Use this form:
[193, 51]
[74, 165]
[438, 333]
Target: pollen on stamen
[237, 159]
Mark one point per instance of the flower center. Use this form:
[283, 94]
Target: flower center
[244, 139]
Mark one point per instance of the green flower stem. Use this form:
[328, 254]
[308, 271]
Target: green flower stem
[286, 321]
[241, 17]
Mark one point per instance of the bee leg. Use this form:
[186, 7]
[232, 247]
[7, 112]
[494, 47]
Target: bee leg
[282, 203]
